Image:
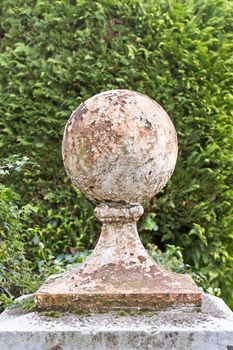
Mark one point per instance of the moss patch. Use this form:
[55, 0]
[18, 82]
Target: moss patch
[29, 304]
[79, 312]
[53, 314]
[122, 313]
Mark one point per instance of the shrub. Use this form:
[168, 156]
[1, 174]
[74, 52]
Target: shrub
[24, 260]
[55, 54]
[14, 267]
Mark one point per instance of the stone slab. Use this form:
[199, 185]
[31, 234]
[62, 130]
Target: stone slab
[114, 288]
[181, 328]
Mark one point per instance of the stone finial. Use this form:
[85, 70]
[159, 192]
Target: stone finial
[119, 148]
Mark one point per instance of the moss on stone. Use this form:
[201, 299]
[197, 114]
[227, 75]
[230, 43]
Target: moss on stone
[53, 314]
[29, 304]
[79, 312]
[122, 313]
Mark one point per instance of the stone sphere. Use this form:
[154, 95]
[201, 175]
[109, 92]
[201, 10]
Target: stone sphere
[119, 146]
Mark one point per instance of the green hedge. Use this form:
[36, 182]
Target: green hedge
[55, 54]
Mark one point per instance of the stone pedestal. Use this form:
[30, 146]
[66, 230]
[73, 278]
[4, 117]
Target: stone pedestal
[181, 328]
[119, 273]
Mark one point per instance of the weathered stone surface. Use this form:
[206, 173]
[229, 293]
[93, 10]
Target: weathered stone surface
[180, 328]
[118, 273]
[120, 148]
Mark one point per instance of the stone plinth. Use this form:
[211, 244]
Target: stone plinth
[181, 328]
[119, 273]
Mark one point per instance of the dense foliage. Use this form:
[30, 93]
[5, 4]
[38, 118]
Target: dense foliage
[55, 54]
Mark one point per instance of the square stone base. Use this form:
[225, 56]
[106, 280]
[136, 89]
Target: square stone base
[114, 286]
[180, 328]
